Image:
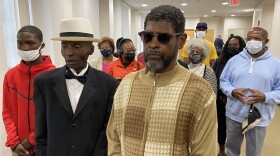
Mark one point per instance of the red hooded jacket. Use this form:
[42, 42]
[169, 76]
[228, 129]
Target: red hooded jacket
[18, 106]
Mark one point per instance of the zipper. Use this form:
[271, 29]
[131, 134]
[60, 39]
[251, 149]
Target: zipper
[28, 100]
[252, 61]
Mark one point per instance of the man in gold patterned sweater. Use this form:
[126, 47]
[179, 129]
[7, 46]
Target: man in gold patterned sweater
[163, 109]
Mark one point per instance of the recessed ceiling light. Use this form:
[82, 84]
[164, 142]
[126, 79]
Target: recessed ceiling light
[225, 3]
[184, 4]
[213, 10]
[205, 15]
[232, 15]
[249, 10]
[144, 5]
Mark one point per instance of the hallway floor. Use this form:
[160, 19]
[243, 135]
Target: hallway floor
[272, 141]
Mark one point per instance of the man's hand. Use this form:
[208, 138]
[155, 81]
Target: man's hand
[256, 97]
[21, 151]
[26, 144]
[239, 93]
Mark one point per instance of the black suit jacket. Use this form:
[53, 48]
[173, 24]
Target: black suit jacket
[59, 132]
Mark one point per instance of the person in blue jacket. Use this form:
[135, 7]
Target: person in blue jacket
[251, 77]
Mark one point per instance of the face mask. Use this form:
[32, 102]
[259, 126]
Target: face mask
[106, 53]
[232, 51]
[196, 59]
[129, 56]
[200, 34]
[30, 55]
[254, 46]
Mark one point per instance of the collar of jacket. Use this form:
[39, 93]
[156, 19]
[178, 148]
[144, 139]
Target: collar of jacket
[163, 79]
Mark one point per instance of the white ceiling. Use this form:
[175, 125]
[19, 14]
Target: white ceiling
[199, 8]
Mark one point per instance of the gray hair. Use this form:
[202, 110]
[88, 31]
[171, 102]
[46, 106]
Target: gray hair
[199, 43]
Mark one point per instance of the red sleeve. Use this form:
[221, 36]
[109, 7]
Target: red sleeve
[31, 138]
[8, 117]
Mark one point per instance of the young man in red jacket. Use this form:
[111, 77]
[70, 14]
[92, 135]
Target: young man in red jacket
[18, 105]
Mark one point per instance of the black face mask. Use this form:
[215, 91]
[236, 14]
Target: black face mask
[232, 51]
[129, 56]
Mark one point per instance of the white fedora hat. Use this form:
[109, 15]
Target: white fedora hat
[76, 29]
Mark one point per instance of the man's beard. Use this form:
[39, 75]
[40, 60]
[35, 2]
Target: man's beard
[156, 65]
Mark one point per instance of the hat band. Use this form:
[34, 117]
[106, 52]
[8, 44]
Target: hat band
[78, 34]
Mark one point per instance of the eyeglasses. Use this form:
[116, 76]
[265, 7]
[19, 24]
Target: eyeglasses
[163, 38]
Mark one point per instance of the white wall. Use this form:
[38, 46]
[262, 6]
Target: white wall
[106, 18]
[274, 37]
[221, 25]
[38, 15]
[4, 151]
[267, 13]
[267, 17]
[191, 22]
[136, 26]
[216, 23]
[117, 19]
[126, 21]
[257, 16]
[58, 10]
[237, 23]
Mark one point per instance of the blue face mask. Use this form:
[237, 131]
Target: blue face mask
[106, 53]
[196, 58]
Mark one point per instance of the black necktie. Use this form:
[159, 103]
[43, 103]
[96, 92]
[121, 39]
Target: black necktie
[82, 79]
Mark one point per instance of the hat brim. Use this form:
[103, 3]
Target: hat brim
[202, 27]
[76, 39]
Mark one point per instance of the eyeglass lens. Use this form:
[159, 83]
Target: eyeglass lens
[161, 37]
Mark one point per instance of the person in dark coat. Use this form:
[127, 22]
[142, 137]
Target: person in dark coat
[73, 102]
[233, 46]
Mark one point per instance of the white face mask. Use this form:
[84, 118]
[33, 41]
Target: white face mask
[30, 55]
[200, 34]
[254, 46]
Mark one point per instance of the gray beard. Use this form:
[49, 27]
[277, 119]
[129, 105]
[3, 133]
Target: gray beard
[155, 67]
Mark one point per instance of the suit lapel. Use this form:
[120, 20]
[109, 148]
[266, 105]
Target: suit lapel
[61, 91]
[88, 91]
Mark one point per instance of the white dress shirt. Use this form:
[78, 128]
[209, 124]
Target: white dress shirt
[198, 68]
[75, 88]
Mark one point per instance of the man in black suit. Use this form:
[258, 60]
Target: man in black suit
[73, 103]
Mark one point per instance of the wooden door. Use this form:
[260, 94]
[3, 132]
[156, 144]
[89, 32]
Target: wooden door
[210, 35]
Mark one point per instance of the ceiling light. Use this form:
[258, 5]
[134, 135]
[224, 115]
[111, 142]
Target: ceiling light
[182, 11]
[249, 10]
[184, 4]
[225, 3]
[205, 15]
[232, 15]
[144, 5]
[213, 10]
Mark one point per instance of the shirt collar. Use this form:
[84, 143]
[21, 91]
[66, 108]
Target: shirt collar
[81, 73]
